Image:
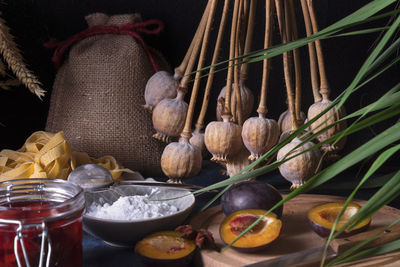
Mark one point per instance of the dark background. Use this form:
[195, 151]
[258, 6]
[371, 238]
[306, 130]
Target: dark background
[34, 22]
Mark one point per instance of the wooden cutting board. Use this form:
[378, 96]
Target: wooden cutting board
[296, 235]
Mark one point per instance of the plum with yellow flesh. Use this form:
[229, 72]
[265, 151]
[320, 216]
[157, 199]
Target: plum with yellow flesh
[323, 216]
[251, 195]
[258, 238]
[166, 248]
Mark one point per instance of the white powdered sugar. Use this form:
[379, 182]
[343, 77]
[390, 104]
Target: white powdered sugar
[131, 208]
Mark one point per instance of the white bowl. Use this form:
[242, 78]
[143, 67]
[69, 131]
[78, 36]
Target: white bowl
[126, 233]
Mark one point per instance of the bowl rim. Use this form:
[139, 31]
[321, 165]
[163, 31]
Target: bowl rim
[190, 194]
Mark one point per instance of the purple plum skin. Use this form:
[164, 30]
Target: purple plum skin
[325, 232]
[180, 262]
[251, 195]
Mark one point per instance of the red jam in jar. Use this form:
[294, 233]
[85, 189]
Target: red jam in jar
[40, 223]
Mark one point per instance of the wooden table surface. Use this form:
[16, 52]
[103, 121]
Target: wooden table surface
[296, 236]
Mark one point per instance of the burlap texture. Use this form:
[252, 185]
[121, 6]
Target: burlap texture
[98, 95]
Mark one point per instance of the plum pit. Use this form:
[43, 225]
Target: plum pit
[241, 223]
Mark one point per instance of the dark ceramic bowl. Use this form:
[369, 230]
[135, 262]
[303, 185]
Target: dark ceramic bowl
[127, 233]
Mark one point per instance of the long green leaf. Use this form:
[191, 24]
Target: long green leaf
[384, 195]
[354, 124]
[387, 137]
[374, 167]
[371, 62]
[215, 198]
[379, 250]
[390, 98]
[293, 135]
[393, 48]
[387, 113]
[359, 32]
[362, 15]
[342, 257]
[374, 182]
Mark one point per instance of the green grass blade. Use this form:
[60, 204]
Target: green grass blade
[363, 15]
[354, 124]
[372, 61]
[382, 158]
[215, 198]
[374, 182]
[382, 115]
[379, 250]
[243, 175]
[375, 118]
[393, 48]
[387, 137]
[390, 112]
[390, 98]
[384, 195]
[359, 32]
[341, 258]
[329, 31]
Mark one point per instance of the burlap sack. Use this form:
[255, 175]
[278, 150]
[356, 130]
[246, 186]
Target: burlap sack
[98, 95]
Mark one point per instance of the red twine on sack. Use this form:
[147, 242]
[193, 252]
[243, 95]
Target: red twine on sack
[133, 29]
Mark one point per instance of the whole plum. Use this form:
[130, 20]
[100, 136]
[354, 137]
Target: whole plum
[251, 195]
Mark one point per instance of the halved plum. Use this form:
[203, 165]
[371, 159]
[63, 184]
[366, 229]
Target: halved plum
[323, 216]
[166, 248]
[251, 195]
[259, 237]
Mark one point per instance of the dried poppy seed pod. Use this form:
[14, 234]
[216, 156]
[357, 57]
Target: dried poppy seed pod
[180, 160]
[284, 135]
[305, 134]
[197, 140]
[259, 135]
[300, 168]
[161, 85]
[223, 139]
[169, 117]
[285, 121]
[247, 98]
[238, 162]
[329, 117]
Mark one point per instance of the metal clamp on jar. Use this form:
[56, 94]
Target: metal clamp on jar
[41, 223]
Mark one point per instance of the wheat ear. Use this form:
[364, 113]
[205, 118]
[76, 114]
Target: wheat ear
[13, 57]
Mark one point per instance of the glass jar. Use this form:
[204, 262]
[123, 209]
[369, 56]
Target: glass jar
[41, 223]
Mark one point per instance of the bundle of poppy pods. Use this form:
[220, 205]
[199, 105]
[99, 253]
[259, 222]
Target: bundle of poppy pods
[235, 139]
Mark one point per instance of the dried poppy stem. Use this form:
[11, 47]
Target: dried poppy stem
[288, 78]
[296, 55]
[249, 37]
[187, 130]
[237, 111]
[227, 108]
[206, 98]
[288, 30]
[239, 26]
[324, 87]
[243, 20]
[193, 57]
[311, 53]
[180, 70]
[262, 109]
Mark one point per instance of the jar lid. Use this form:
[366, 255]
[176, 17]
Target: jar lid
[91, 176]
